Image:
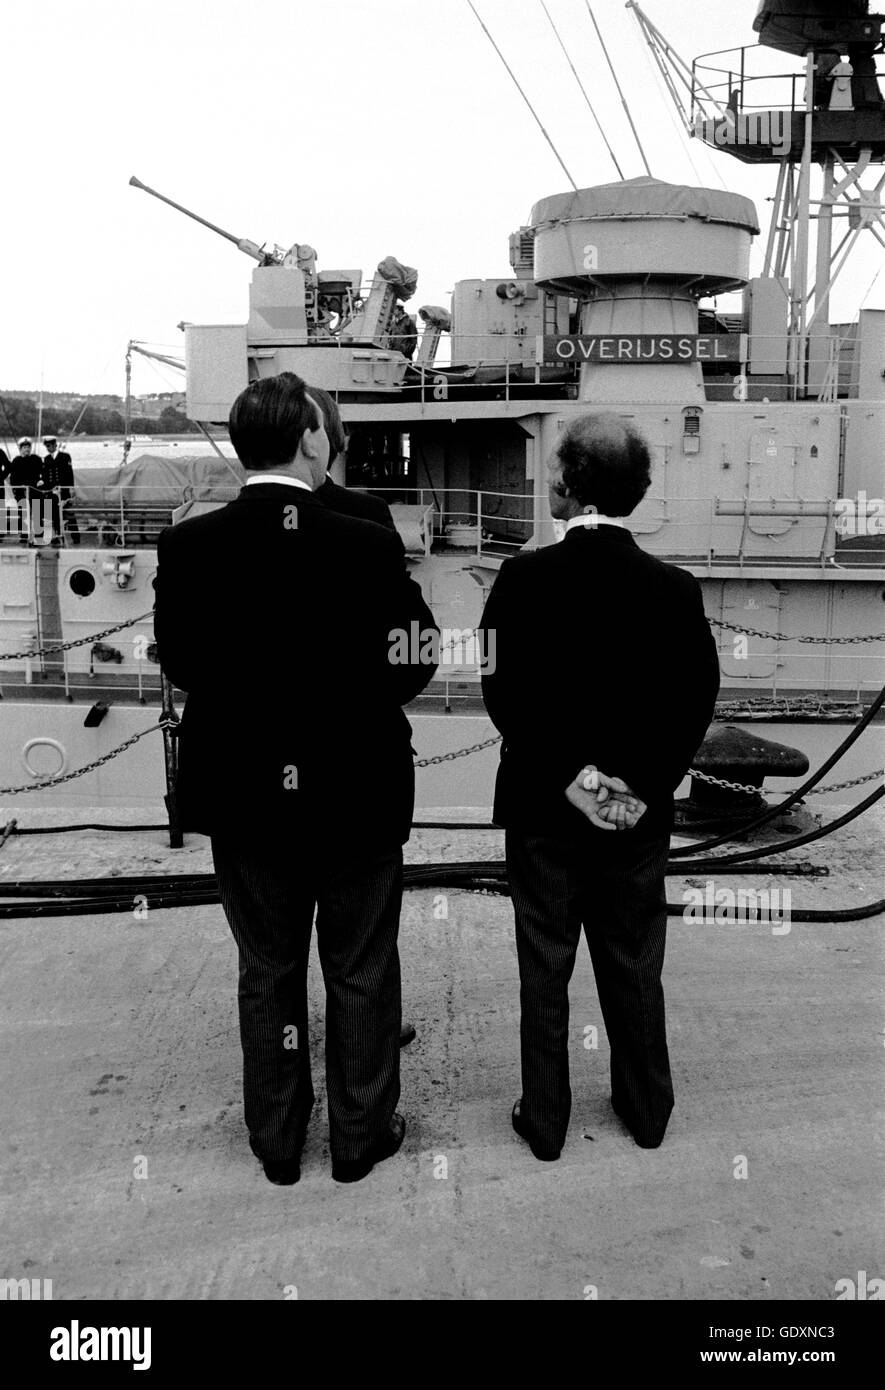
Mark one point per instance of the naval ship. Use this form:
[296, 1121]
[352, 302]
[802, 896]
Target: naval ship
[766, 427]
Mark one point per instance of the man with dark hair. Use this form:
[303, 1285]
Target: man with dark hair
[629, 687]
[306, 786]
[344, 499]
[24, 474]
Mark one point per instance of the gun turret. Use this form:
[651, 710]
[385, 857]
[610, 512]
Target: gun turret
[258, 253]
[294, 312]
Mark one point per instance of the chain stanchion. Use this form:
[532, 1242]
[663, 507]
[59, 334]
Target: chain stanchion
[169, 723]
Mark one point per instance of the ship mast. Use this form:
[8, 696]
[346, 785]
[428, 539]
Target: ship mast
[135, 346]
[724, 99]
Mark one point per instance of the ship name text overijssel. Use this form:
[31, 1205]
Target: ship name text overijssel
[622, 348]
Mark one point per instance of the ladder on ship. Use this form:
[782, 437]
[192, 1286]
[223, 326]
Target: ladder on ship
[49, 624]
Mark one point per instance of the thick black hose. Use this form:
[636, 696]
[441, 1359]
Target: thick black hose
[808, 838]
[194, 888]
[157, 902]
[414, 876]
[96, 907]
[199, 890]
[66, 829]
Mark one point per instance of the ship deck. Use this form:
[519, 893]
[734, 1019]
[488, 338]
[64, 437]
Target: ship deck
[120, 1044]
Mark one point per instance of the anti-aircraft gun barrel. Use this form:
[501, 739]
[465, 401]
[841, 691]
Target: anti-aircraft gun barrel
[249, 247]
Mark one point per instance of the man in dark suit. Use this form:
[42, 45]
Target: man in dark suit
[604, 683]
[350, 503]
[304, 779]
[344, 499]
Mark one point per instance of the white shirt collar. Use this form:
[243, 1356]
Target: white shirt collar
[594, 519]
[278, 478]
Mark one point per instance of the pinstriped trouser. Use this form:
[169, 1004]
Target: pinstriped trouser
[269, 896]
[616, 891]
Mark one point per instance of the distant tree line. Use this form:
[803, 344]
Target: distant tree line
[18, 416]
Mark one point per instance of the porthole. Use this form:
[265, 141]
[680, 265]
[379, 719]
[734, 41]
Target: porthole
[82, 583]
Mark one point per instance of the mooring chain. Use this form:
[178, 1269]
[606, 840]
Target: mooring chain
[812, 791]
[721, 781]
[465, 635]
[732, 627]
[795, 636]
[172, 722]
[423, 762]
[841, 786]
[459, 753]
[78, 642]
[692, 772]
[56, 779]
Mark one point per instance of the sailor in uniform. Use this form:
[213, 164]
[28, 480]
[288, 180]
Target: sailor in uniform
[24, 474]
[57, 487]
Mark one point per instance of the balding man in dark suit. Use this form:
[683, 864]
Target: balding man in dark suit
[595, 741]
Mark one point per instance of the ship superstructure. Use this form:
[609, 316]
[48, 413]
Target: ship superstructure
[766, 424]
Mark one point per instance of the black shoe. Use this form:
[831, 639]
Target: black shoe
[642, 1143]
[283, 1172]
[407, 1034]
[544, 1155]
[355, 1169]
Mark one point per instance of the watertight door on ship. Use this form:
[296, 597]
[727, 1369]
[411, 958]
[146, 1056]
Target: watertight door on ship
[772, 461]
[748, 660]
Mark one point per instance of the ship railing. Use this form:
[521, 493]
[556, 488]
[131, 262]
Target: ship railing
[478, 519]
[481, 520]
[714, 531]
[746, 79]
[762, 531]
[488, 365]
[500, 367]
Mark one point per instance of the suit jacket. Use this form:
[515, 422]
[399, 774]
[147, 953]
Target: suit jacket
[57, 471]
[24, 472]
[602, 655]
[274, 614]
[345, 500]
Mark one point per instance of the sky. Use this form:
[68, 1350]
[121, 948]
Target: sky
[365, 127]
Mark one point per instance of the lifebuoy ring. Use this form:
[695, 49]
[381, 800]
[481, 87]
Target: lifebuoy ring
[52, 743]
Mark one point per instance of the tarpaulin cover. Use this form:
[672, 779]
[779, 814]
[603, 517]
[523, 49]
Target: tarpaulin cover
[403, 278]
[150, 480]
[435, 314]
[645, 197]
